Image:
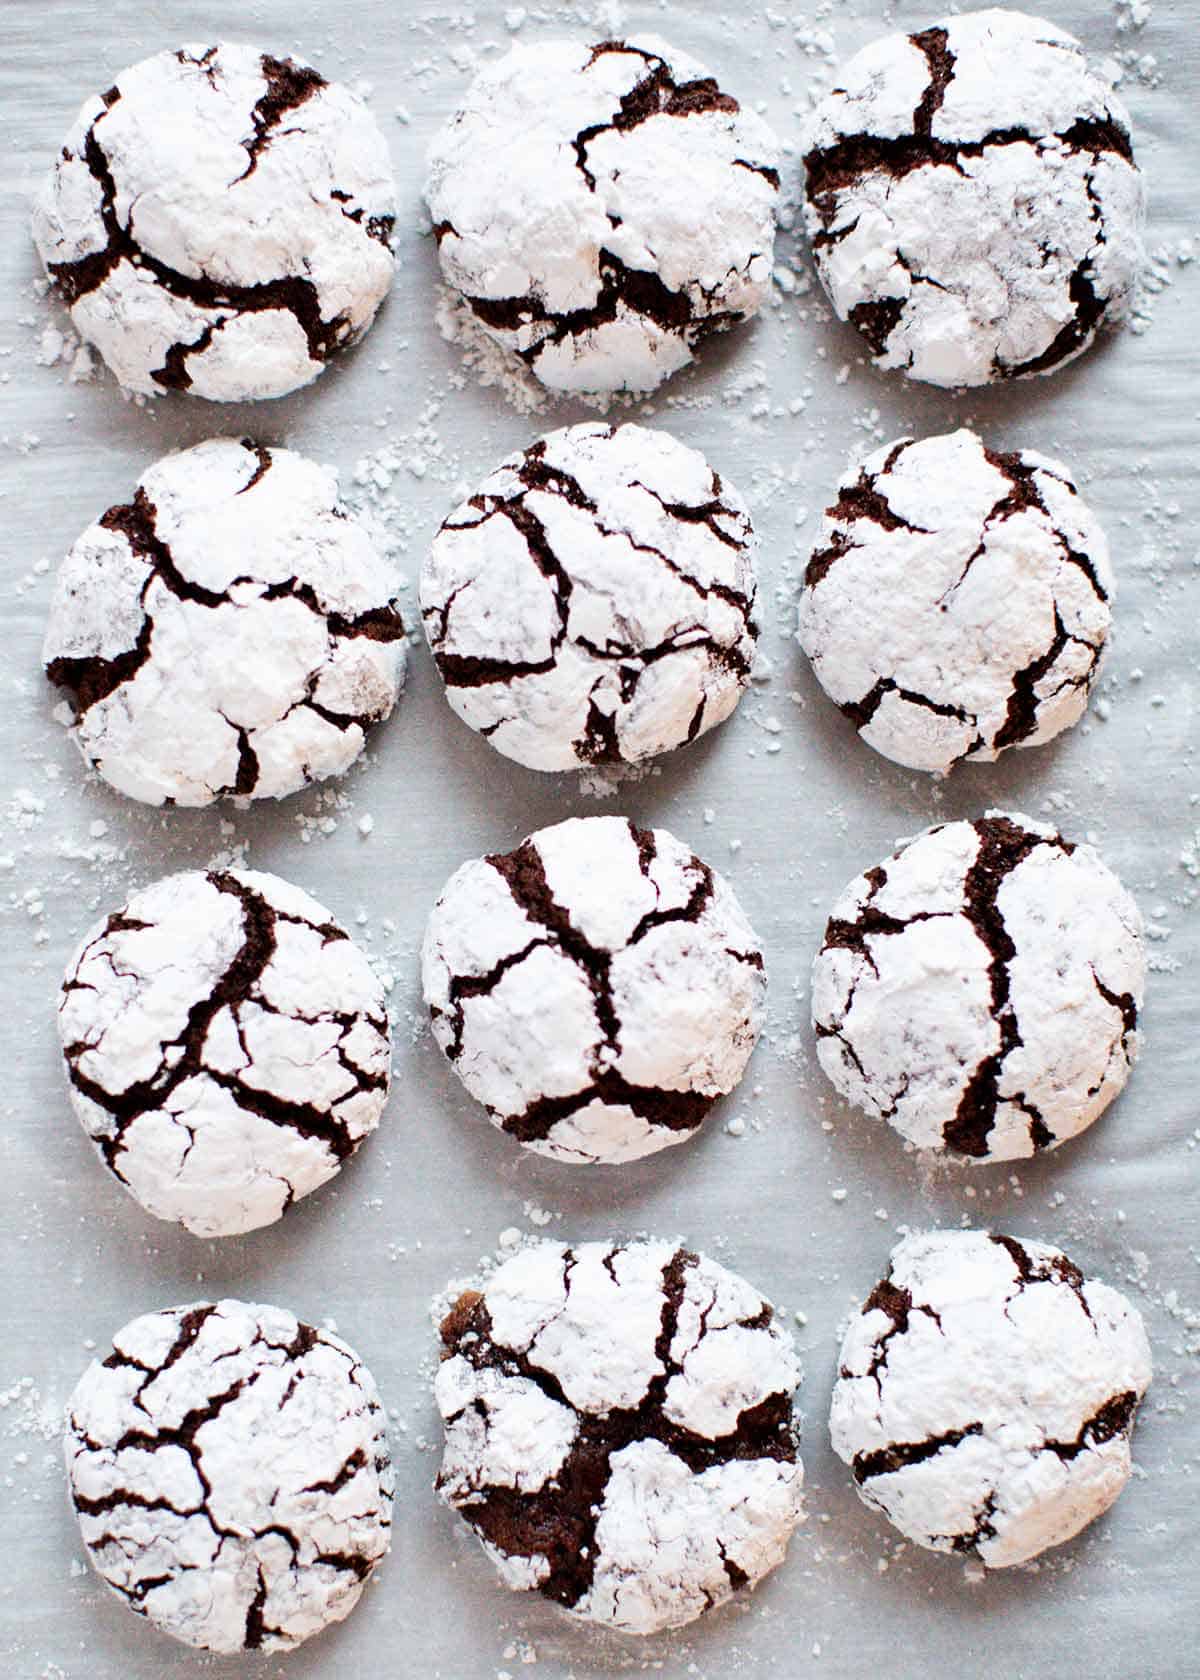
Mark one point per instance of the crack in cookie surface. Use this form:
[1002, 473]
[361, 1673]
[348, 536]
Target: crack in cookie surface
[645, 933]
[1013, 1059]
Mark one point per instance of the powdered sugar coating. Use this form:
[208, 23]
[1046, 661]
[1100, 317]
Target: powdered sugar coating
[987, 1393]
[232, 630]
[619, 1429]
[226, 1045]
[972, 199]
[980, 989]
[219, 221]
[230, 1471]
[594, 599]
[596, 989]
[957, 602]
[603, 209]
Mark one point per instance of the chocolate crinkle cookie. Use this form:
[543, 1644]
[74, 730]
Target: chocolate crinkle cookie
[227, 1047]
[620, 1429]
[220, 222]
[972, 199]
[230, 1470]
[958, 600]
[231, 631]
[603, 209]
[594, 600]
[987, 1393]
[596, 989]
[979, 990]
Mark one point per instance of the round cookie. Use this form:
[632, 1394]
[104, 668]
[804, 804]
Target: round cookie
[604, 209]
[230, 1469]
[979, 990]
[593, 601]
[226, 1046]
[232, 630]
[620, 1431]
[596, 989]
[972, 199]
[986, 1395]
[957, 602]
[220, 222]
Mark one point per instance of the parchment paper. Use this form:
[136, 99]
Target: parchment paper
[808, 1199]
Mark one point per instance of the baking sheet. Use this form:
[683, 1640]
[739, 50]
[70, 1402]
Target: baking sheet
[785, 1184]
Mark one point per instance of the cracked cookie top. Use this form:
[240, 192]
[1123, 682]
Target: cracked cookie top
[986, 1395]
[603, 209]
[231, 631]
[593, 601]
[226, 1045]
[958, 600]
[972, 199]
[596, 989]
[230, 1470]
[979, 990]
[620, 1430]
[220, 222]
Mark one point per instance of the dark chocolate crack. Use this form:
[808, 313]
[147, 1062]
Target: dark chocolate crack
[295, 294]
[871, 922]
[897, 1303]
[1022, 713]
[655, 94]
[559, 1520]
[636, 290]
[1003, 847]
[861, 500]
[934, 43]
[1026, 494]
[860, 712]
[183, 1056]
[1040, 1269]
[982, 1529]
[524, 873]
